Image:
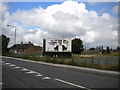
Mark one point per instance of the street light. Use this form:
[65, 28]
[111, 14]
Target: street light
[15, 33]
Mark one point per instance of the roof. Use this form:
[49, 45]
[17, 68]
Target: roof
[24, 46]
[38, 47]
[20, 46]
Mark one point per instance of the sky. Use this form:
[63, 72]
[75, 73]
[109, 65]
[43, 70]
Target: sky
[95, 23]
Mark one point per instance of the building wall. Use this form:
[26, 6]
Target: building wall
[30, 50]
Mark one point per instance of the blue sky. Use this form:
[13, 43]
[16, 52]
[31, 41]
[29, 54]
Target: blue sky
[102, 7]
[99, 7]
[14, 6]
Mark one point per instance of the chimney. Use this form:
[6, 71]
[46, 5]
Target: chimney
[29, 42]
[21, 42]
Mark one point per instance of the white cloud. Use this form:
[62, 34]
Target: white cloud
[36, 38]
[90, 36]
[115, 9]
[68, 19]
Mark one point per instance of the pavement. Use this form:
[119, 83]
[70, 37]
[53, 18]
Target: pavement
[21, 73]
[76, 68]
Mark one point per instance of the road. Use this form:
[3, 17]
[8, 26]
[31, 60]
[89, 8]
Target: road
[23, 74]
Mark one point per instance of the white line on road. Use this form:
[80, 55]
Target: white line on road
[39, 75]
[31, 72]
[24, 69]
[7, 63]
[46, 78]
[1, 83]
[12, 65]
[72, 84]
[16, 67]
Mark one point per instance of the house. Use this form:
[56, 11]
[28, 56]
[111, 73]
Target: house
[28, 48]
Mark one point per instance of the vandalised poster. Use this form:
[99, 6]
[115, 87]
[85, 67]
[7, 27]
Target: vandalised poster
[58, 45]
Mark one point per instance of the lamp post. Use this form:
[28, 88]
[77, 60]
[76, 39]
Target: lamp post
[15, 33]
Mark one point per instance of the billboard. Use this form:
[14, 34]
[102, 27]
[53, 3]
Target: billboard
[58, 45]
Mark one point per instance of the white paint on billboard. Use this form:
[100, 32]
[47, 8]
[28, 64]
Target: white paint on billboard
[58, 45]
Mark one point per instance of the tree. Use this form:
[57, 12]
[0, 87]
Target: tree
[92, 48]
[118, 48]
[77, 46]
[108, 50]
[5, 41]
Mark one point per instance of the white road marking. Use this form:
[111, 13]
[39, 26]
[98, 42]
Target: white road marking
[1, 83]
[31, 72]
[46, 78]
[7, 63]
[16, 67]
[72, 84]
[39, 75]
[24, 69]
[12, 65]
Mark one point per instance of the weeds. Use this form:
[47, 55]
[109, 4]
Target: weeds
[66, 60]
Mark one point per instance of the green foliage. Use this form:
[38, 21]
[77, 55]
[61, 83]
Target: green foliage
[107, 50]
[118, 48]
[92, 49]
[5, 41]
[68, 61]
[77, 46]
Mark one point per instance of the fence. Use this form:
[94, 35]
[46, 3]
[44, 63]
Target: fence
[101, 60]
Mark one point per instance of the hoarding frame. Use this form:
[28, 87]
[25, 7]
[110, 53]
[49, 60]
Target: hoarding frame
[52, 45]
[57, 53]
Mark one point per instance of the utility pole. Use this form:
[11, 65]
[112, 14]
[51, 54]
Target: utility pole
[15, 33]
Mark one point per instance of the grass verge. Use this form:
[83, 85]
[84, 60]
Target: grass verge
[65, 60]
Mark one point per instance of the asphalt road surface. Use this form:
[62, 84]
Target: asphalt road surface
[22, 74]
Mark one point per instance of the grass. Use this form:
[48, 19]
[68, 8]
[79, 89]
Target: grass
[66, 60]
